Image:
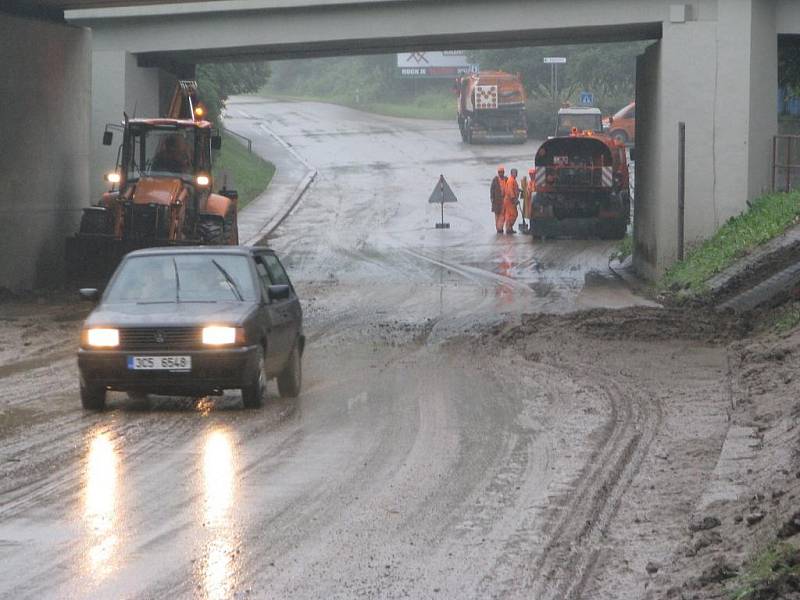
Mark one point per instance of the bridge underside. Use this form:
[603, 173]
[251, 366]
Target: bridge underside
[712, 65]
[477, 40]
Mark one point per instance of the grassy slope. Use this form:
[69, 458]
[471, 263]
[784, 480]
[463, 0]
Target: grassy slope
[431, 105]
[248, 173]
[767, 217]
[762, 577]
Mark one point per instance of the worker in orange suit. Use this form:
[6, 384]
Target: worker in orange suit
[497, 194]
[528, 190]
[510, 200]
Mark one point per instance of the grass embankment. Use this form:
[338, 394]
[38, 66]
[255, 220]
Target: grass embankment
[769, 575]
[623, 249]
[247, 173]
[428, 105]
[768, 216]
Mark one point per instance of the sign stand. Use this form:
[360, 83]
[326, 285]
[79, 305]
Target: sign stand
[441, 194]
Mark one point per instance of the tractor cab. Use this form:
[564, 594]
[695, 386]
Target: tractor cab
[165, 149]
[161, 191]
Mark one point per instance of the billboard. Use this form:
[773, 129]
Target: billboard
[446, 63]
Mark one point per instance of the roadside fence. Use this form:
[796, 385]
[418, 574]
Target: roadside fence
[246, 140]
[785, 163]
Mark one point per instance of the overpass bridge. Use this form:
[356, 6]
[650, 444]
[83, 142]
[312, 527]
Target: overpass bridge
[712, 64]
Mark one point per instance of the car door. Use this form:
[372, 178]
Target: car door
[270, 319]
[280, 312]
[294, 312]
[630, 123]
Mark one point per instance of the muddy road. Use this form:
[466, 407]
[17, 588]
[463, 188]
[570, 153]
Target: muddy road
[461, 434]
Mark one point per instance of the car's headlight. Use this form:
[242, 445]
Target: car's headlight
[216, 335]
[101, 337]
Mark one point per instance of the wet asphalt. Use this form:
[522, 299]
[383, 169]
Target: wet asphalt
[404, 469]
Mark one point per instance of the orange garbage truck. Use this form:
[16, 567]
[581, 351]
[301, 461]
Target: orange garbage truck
[582, 188]
[160, 192]
[491, 107]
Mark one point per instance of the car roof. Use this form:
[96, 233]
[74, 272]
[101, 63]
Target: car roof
[170, 250]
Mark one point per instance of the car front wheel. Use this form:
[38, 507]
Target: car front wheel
[253, 394]
[93, 397]
[291, 378]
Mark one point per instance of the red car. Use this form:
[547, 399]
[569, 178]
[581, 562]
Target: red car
[622, 126]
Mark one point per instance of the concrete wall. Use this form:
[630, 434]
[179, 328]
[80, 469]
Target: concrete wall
[719, 76]
[45, 92]
[788, 16]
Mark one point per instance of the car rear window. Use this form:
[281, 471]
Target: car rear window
[183, 278]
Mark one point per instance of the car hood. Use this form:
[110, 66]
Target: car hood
[177, 314]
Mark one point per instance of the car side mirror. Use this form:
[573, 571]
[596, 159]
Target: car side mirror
[216, 142]
[108, 137]
[89, 294]
[278, 292]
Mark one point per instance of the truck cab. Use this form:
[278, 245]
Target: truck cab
[578, 119]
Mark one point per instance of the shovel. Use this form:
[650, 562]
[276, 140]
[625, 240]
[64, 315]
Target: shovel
[524, 227]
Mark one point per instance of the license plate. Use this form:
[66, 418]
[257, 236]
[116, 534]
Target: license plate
[160, 363]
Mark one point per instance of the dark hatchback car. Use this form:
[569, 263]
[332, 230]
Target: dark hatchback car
[193, 321]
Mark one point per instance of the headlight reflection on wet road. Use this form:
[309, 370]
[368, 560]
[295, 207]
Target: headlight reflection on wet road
[219, 486]
[100, 503]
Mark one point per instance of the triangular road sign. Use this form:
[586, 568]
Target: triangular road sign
[442, 193]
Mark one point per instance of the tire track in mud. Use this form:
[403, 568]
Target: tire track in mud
[565, 566]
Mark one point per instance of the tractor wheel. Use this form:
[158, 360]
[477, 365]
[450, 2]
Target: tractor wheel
[95, 220]
[211, 231]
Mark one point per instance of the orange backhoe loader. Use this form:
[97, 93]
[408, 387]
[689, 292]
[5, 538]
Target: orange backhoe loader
[160, 191]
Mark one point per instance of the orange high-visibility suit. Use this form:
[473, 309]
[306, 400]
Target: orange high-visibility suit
[510, 204]
[528, 186]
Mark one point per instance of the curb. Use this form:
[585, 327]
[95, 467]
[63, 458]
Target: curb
[270, 226]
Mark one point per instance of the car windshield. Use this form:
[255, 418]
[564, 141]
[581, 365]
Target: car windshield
[161, 152]
[183, 278]
[580, 122]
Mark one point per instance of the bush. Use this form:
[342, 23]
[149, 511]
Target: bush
[541, 117]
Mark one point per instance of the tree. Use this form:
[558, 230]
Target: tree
[216, 82]
[789, 67]
[606, 70]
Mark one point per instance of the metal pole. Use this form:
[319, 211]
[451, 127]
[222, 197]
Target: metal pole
[681, 186]
[789, 164]
[774, 161]
[558, 100]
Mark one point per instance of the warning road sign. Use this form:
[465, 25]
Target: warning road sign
[442, 192]
[440, 195]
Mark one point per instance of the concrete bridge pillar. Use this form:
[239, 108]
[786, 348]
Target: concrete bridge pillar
[718, 74]
[120, 86]
[44, 119]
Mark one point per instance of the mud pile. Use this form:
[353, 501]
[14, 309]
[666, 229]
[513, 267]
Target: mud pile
[751, 552]
[701, 517]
